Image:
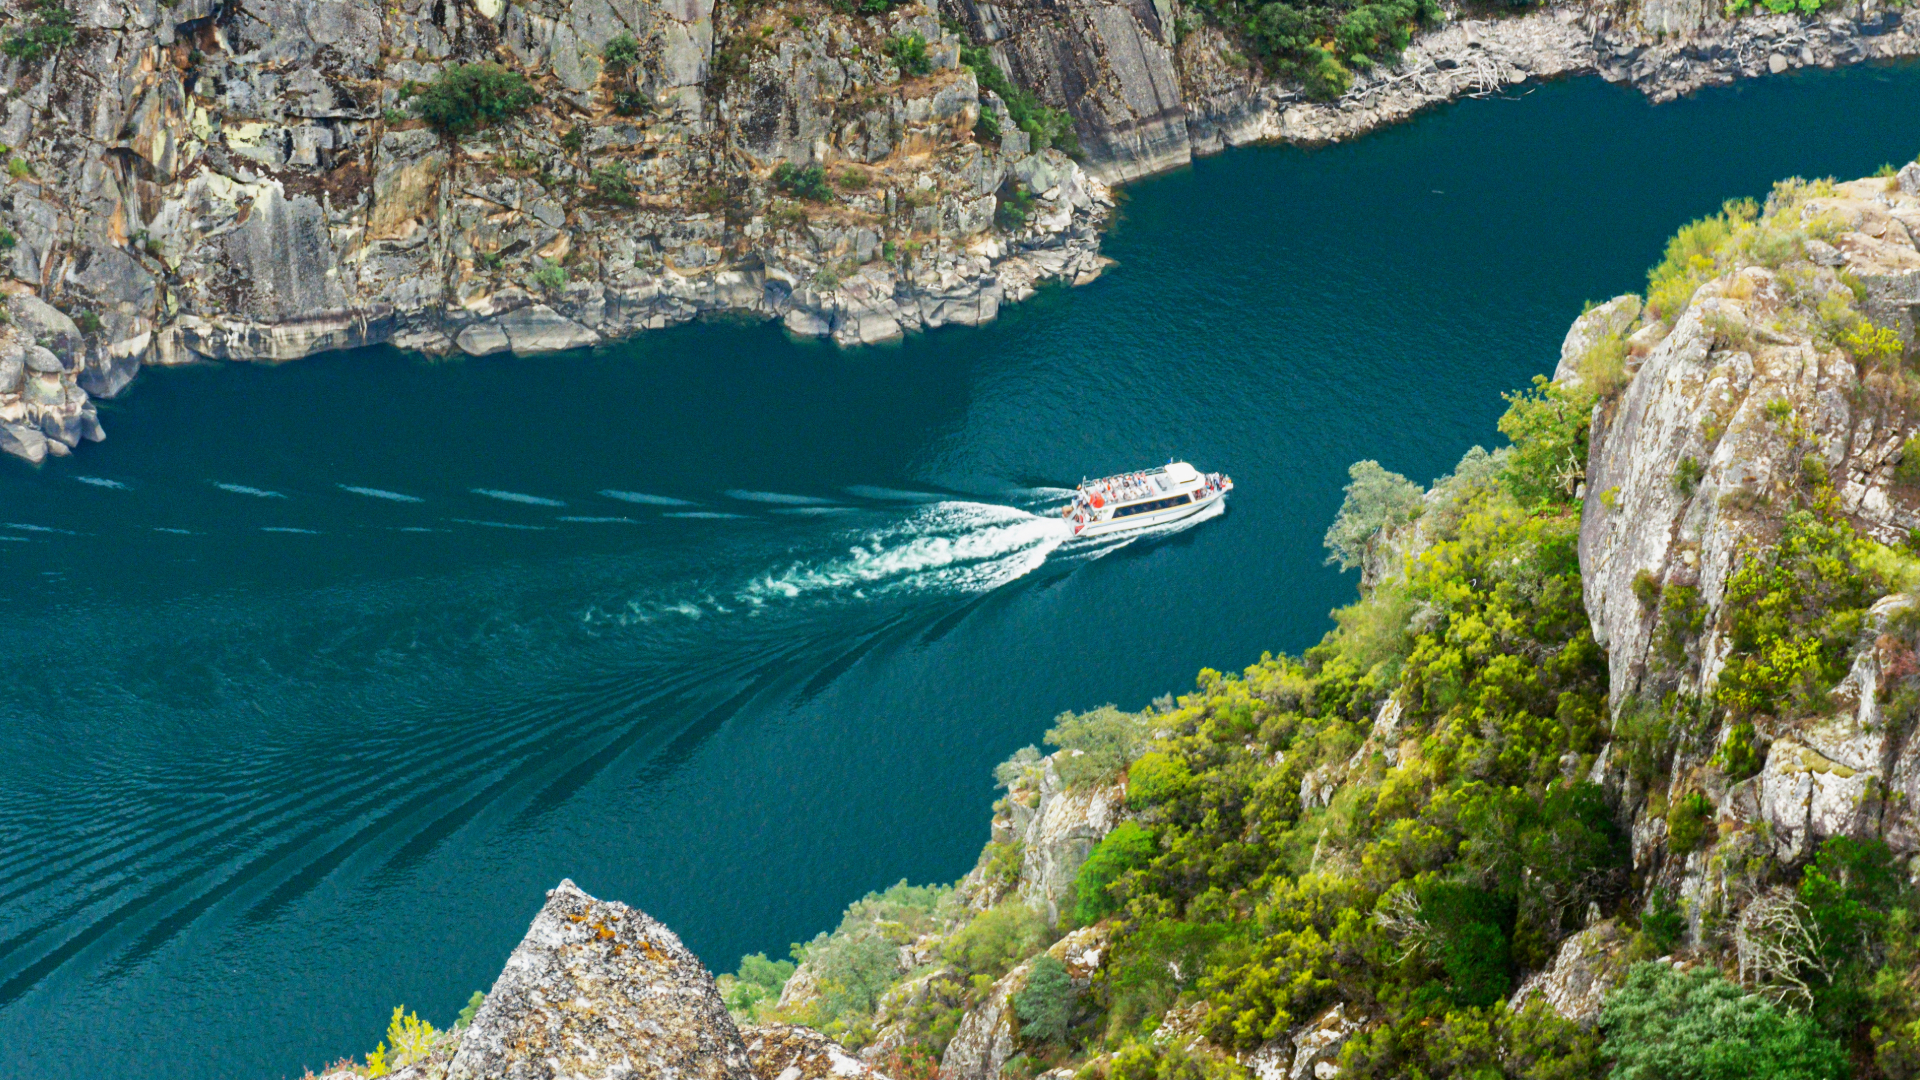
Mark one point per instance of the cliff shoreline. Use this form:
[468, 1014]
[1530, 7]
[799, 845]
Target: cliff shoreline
[243, 182]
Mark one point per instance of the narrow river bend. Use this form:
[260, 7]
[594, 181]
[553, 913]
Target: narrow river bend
[319, 675]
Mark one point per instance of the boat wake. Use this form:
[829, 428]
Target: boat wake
[951, 547]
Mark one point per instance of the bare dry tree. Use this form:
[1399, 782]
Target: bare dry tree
[1779, 946]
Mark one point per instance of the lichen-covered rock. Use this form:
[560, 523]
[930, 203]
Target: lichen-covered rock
[1593, 330]
[790, 1052]
[1057, 834]
[599, 990]
[1587, 967]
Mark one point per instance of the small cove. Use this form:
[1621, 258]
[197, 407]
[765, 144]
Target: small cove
[324, 672]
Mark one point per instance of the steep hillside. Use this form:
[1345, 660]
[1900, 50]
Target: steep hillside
[1611, 771]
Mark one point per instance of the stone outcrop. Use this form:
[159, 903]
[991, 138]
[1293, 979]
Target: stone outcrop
[1735, 408]
[791, 1052]
[598, 989]
[1586, 968]
[1056, 827]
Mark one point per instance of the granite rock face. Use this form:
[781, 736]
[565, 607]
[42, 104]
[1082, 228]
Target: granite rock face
[1732, 408]
[245, 182]
[597, 989]
[790, 1052]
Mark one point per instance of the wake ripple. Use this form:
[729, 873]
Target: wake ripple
[956, 547]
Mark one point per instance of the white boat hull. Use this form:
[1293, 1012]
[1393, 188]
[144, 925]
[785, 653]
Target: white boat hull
[1136, 522]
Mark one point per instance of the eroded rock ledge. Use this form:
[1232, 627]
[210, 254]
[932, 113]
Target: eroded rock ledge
[239, 179]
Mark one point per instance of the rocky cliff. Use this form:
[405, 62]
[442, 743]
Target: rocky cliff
[244, 179]
[1777, 389]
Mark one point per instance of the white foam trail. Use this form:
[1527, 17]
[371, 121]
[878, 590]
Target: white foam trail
[502, 525]
[516, 497]
[598, 520]
[101, 481]
[952, 546]
[777, 498]
[814, 510]
[288, 529]
[866, 491]
[644, 499]
[176, 532]
[418, 528]
[706, 515]
[37, 528]
[380, 493]
[242, 489]
[15, 540]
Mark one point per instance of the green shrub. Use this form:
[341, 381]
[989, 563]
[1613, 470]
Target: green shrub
[1796, 607]
[548, 277]
[1663, 922]
[610, 181]
[809, 182]
[1376, 500]
[758, 980]
[465, 1019]
[575, 139]
[860, 959]
[1693, 256]
[88, 322]
[1097, 745]
[987, 128]
[8, 240]
[1045, 1003]
[1664, 1024]
[19, 168]
[1646, 588]
[48, 28]
[1127, 847]
[1048, 127]
[909, 53]
[1012, 206]
[996, 940]
[1687, 474]
[464, 98]
[1687, 821]
[1907, 471]
[1548, 427]
[621, 54]
[1469, 941]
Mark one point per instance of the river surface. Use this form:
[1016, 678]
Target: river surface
[318, 676]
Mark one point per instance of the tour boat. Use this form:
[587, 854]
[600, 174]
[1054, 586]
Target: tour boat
[1141, 500]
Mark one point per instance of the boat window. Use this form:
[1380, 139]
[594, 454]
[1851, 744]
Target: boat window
[1149, 507]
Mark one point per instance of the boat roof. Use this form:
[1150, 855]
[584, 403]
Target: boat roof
[1177, 471]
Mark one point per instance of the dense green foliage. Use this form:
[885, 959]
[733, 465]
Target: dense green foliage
[909, 53]
[1127, 847]
[759, 980]
[1665, 1024]
[1320, 44]
[464, 98]
[1797, 606]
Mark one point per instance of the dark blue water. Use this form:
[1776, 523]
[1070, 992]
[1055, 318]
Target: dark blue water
[281, 754]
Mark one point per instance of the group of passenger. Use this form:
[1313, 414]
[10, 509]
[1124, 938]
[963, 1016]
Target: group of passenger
[1126, 487]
